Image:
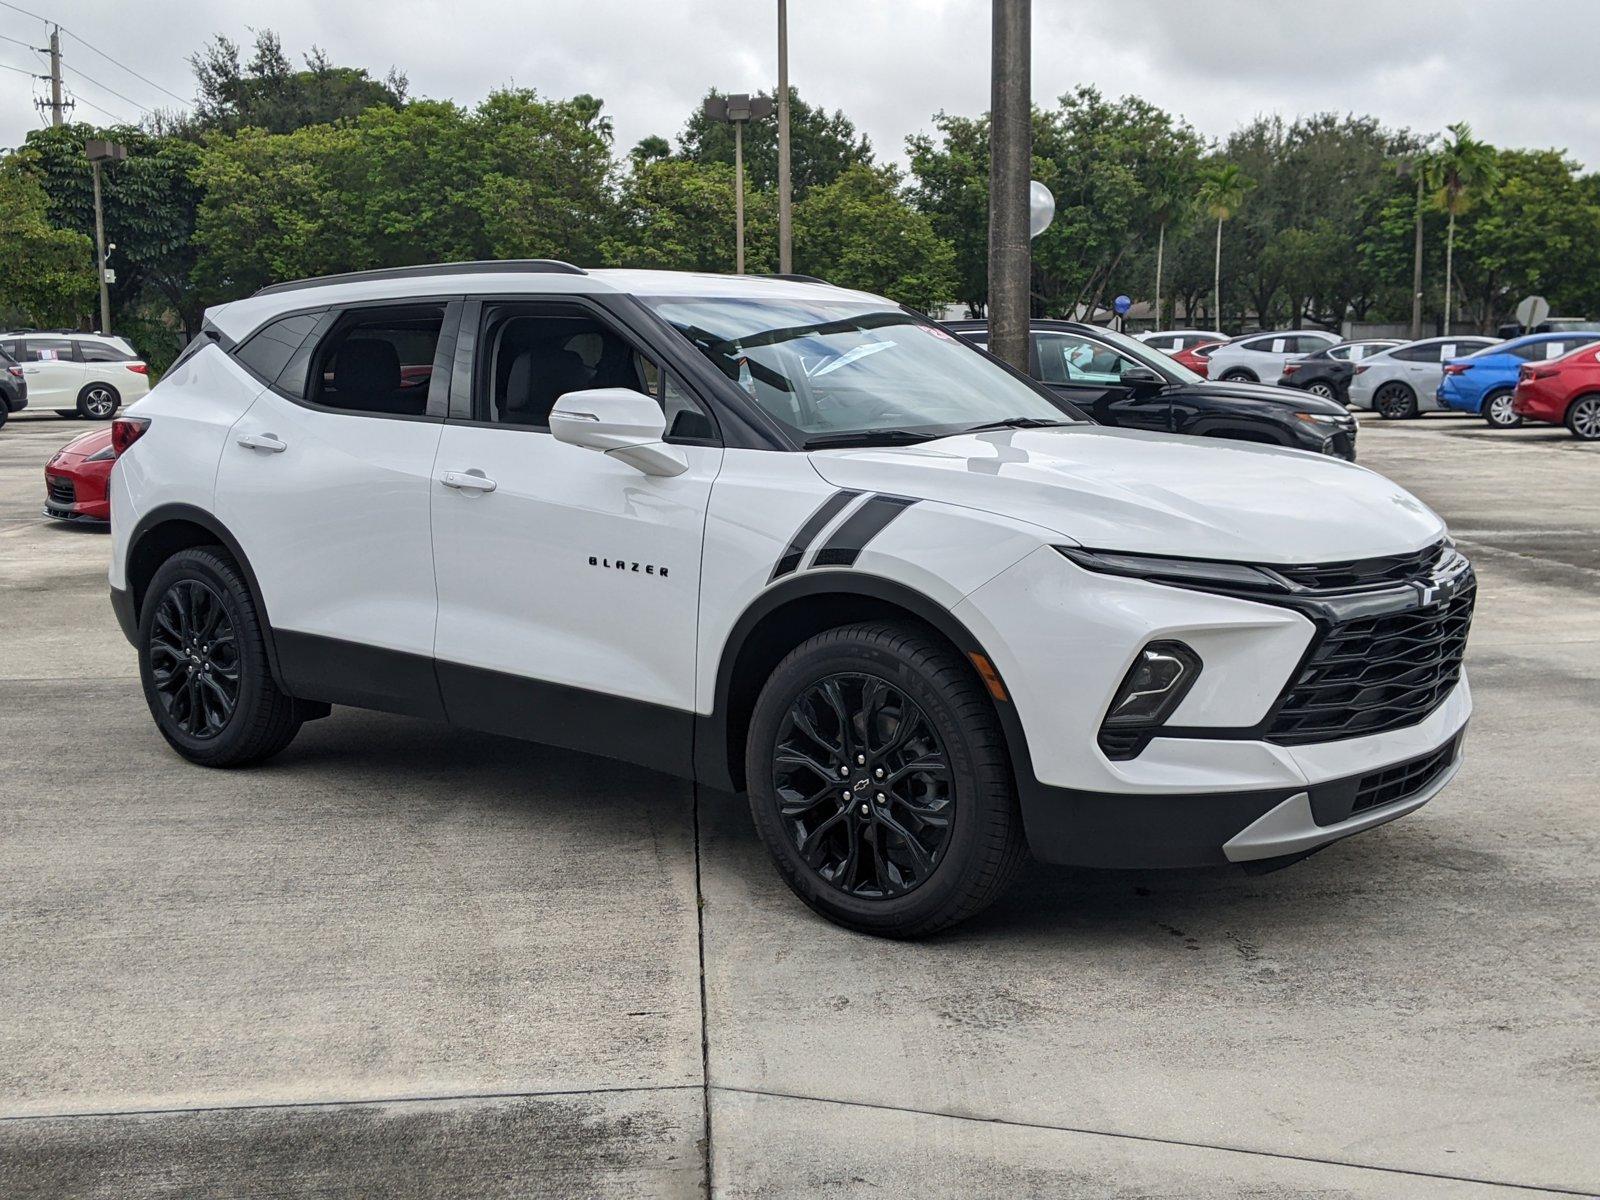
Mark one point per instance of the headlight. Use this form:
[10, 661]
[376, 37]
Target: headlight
[1155, 684]
[1322, 419]
[106, 455]
[1193, 572]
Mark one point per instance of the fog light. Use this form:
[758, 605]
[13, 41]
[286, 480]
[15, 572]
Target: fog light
[1156, 683]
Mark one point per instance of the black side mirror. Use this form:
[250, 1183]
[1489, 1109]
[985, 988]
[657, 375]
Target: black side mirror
[1141, 376]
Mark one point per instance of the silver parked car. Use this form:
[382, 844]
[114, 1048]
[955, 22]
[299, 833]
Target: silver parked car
[1402, 382]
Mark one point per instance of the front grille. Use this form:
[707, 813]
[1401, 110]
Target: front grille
[59, 490]
[1373, 674]
[1363, 573]
[1402, 779]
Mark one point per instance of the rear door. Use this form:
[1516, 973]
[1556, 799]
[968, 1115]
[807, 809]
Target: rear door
[568, 581]
[326, 482]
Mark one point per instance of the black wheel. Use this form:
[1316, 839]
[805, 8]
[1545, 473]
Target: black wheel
[1238, 375]
[1395, 402]
[203, 663]
[98, 402]
[1322, 388]
[1583, 418]
[1498, 412]
[880, 783]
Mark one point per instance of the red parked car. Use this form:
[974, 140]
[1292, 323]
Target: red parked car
[1562, 391]
[76, 479]
[1196, 358]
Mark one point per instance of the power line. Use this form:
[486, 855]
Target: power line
[80, 100]
[20, 71]
[90, 45]
[19, 41]
[104, 88]
[128, 69]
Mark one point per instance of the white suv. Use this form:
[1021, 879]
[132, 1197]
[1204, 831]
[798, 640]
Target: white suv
[78, 374]
[790, 540]
[1259, 358]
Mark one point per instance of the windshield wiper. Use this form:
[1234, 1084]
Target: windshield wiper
[1019, 423]
[869, 437]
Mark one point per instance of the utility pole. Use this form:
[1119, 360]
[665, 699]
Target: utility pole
[56, 104]
[1416, 269]
[739, 110]
[1010, 167]
[785, 256]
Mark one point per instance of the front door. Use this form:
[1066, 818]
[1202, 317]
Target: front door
[568, 581]
[326, 480]
[1089, 374]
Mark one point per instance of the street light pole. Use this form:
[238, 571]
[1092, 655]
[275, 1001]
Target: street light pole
[98, 151]
[738, 197]
[785, 257]
[1010, 168]
[738, 109]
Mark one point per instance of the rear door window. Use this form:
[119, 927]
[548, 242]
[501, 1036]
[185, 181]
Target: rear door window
[378, 361]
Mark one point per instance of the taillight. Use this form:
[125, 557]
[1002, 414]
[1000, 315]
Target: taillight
[125, 431]
[1457, 369]
[1290, 368]
[1541, 372]
[137, 368]
[1364, 367]
[17, 371]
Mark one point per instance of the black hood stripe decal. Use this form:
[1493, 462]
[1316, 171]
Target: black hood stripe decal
[859, 528]
[830, 508]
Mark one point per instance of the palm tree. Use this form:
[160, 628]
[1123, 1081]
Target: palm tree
[1464, 167]
[1222, 191]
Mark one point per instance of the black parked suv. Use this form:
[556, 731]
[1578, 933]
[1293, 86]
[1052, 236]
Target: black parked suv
[1328, 372]
[13, 387]
[1119, 381]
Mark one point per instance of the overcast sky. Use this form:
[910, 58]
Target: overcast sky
[1521, 75]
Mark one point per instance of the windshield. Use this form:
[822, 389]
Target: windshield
[1158, 362]
[825, 369]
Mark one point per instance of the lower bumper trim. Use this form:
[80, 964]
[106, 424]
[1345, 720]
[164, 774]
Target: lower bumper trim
[122, 605]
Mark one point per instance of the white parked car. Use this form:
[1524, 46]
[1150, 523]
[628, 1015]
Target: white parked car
[78, 374]
[1259, 357]
[788, 540]
[1404, 381]
[1171, 341]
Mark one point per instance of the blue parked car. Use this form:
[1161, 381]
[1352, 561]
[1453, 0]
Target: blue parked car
[1484, 382]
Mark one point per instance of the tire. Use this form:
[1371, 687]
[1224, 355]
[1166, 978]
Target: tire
[1497, 412]
[1322, 388]
[70, 414]
[261, 720]
[98, 402]
[1583, 417]
[927, 699]
[5, 413]
[1238, 375]
[1395, 402]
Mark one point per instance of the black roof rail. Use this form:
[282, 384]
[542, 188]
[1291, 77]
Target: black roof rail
[517, 266]
[793, 278]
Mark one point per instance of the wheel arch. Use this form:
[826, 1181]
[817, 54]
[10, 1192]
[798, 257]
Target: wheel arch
[782, 617]
[169, 528]
[1239, 373]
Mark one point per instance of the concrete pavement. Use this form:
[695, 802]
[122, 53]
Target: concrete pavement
[404, 961]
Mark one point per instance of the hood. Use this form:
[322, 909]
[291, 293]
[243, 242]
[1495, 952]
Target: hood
[1266, 393]
[1150, 493]
[89, 443]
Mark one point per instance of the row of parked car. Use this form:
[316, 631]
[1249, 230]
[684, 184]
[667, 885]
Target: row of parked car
[1551, 377]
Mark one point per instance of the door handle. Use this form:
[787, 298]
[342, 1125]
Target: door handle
[468, 481]
[263, 441]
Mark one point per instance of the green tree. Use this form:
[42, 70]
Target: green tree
[269, 93]
[822, 145]
[950, 186]
[1458, 172]
[858, 232]
[518, 176]
[49, 272]
[679, 215]
[1223, 187]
